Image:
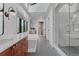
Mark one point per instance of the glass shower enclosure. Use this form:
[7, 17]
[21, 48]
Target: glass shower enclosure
[67, 28]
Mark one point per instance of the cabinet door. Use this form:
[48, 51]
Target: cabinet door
[17, 49]
[25, 46]
[7, 52]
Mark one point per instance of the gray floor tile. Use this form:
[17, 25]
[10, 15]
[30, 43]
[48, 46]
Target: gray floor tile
[44, 49]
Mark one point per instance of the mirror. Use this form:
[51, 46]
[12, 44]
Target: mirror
[1, 19]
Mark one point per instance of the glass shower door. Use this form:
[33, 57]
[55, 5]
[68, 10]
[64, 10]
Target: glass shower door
[67, 28]
[63, 28]
[74, 33]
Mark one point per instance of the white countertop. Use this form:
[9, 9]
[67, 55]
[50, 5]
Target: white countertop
[6, 42]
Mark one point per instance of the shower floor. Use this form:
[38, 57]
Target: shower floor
[71, 50]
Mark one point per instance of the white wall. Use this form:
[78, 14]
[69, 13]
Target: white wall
[62, 29]
[34, 21]
[49, 26]
[10, 25]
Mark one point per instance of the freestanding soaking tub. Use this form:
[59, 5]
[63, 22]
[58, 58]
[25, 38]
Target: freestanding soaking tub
[32, 42]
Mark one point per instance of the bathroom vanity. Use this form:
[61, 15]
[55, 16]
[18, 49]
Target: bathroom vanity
[17, 47]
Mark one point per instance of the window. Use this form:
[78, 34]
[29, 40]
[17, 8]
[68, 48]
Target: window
[1, 19]
[22, 25]
[18, 25]
[26, 26]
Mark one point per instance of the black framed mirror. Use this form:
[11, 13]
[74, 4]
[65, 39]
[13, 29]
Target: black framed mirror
[1, 18]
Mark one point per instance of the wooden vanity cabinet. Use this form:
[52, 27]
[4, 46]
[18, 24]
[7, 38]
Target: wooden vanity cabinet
[7, 52]
[18, 49]
[25, 47]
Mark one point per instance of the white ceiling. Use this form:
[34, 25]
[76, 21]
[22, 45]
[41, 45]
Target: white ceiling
[65, 8]
[39, 7]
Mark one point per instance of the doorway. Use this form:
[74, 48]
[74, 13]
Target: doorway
[40, 29]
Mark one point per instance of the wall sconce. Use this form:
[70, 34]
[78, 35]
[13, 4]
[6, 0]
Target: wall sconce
[11, 11]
